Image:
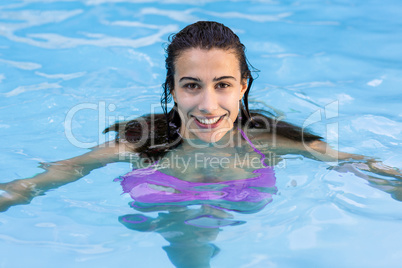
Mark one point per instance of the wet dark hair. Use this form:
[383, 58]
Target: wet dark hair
[162, 130]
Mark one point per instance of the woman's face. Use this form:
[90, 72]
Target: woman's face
[208, 87]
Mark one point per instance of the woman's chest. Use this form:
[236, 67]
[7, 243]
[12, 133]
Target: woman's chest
[204, 166]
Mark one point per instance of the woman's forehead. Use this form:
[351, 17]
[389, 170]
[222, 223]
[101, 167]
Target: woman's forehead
[203, 61]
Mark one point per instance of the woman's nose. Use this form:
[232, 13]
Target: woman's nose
[208, 102]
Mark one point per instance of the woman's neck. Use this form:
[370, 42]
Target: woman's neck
[231, 139]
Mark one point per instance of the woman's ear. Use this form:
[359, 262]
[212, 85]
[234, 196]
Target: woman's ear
[174, 96]
[243, 89]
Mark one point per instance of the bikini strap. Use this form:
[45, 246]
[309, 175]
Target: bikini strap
[254, 148]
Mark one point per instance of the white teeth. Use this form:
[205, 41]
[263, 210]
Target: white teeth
[208, 121]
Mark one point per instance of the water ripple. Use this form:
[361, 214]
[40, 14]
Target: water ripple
[22, 65]
[62, 76]
[31, 18]
[182, 16]
[84, 249]
[57, 41]
[23, 89]
[251, 17]
[378, 125]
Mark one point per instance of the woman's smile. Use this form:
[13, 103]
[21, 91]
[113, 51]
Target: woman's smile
[209, 122]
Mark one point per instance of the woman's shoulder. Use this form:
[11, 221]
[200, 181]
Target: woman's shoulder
[272, 142]
[266, 124]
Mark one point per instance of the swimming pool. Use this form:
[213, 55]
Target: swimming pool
[334, 66]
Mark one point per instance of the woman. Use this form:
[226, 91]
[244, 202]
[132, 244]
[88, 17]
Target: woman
[209, 80]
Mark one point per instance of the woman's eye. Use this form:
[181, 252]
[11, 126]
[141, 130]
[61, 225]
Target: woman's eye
[222, 85]
[191, 86]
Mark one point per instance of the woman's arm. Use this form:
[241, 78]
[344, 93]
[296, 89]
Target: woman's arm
[59, 173]
[351, 163]
[322, 151]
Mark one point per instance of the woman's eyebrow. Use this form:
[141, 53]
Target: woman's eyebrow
[224, 77]
[190, 78]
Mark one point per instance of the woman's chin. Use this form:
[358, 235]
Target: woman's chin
[207, 135]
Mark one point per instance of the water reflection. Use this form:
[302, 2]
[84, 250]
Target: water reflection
[190, 233]
[191, 226]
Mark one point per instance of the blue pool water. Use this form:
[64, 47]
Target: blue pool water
[332, 65]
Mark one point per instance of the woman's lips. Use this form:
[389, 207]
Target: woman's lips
[208, 122]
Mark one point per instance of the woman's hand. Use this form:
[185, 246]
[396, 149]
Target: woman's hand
[16, 192]
[392, 186]
[380, 168]
[373, 166]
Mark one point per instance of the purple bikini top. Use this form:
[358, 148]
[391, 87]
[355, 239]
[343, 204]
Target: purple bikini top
[149, 185]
